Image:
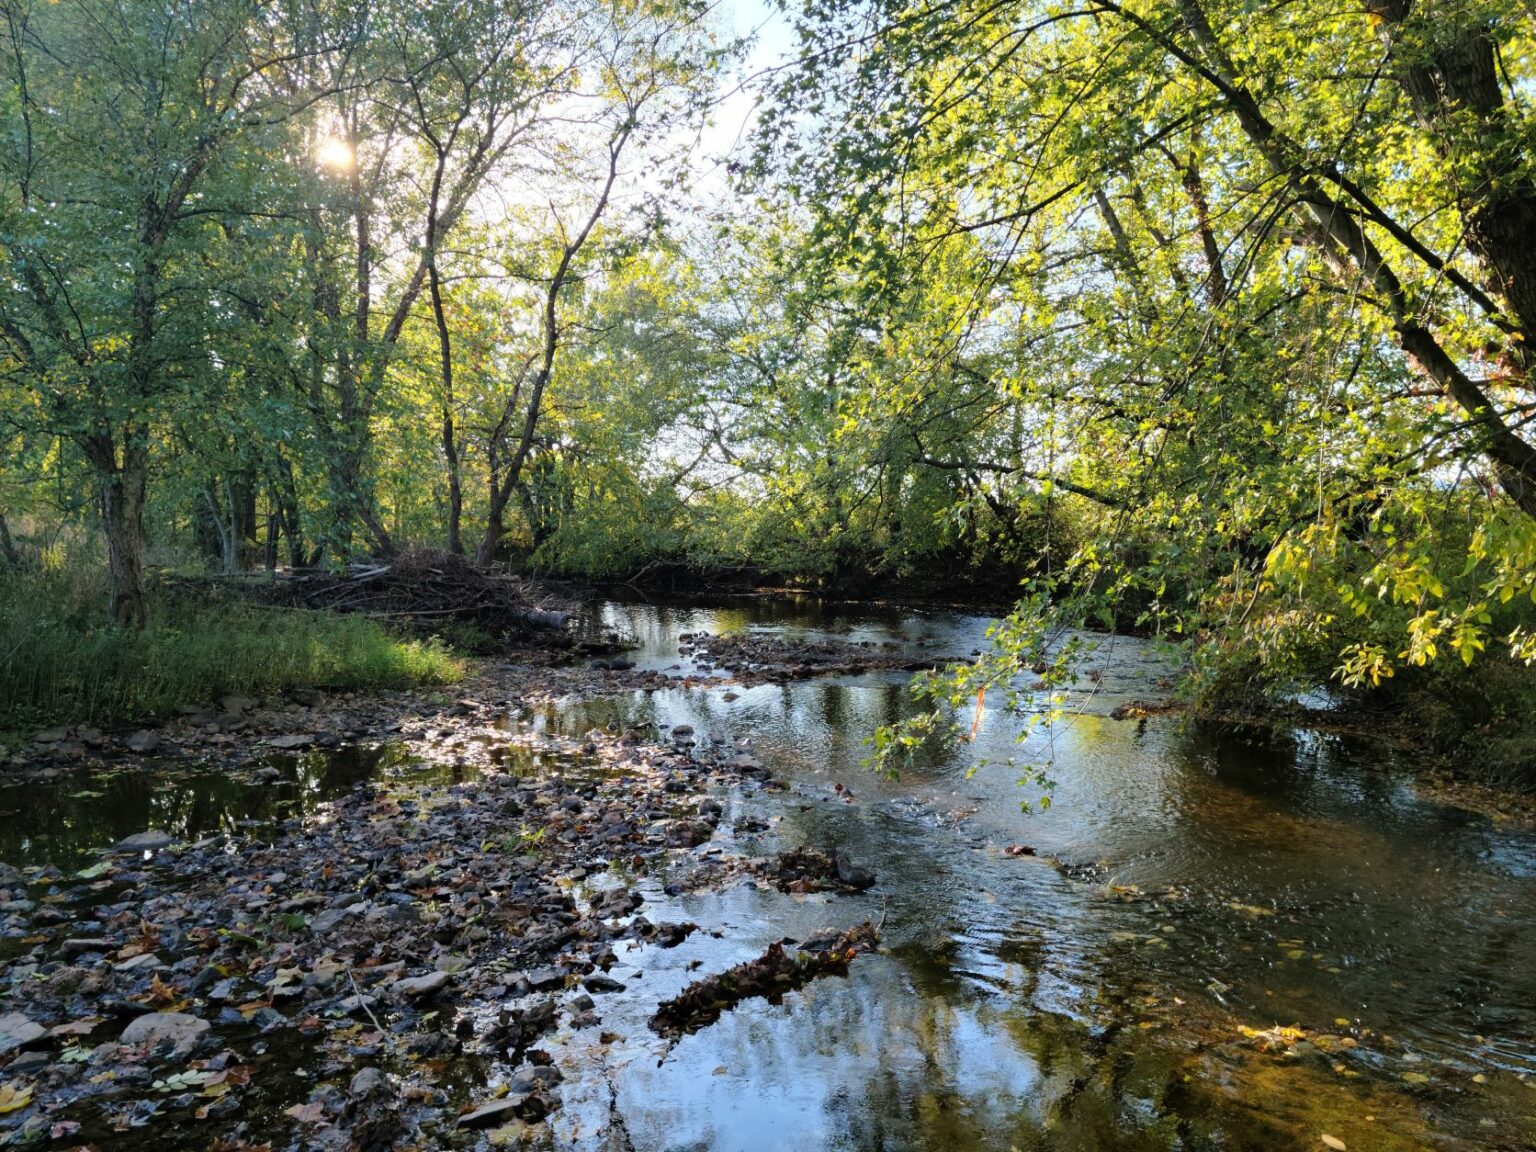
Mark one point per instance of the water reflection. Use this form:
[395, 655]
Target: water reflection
[65, 822]
[1190, 879]
[1296, 878]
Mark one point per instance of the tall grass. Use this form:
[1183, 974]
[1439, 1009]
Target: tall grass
[61, 662]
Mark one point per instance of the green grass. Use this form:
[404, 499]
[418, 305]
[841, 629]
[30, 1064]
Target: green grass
[61, 663]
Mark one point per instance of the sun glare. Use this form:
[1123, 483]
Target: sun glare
[335, 154]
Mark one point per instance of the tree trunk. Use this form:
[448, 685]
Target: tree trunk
[242, 522]
[288, 506]
[8, 554]
[122, 514]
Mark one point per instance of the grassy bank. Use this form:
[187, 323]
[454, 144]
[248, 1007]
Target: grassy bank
[60, 662]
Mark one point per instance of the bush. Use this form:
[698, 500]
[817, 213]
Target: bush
[60, 661]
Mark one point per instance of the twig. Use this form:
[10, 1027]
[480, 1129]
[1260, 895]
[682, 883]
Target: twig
[361, 999]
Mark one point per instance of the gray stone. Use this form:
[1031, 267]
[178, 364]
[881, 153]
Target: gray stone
[686, 833]
[237, 703]
[296, 740]
[140, 963]
[143, 742]
[17, 1031]
[366, 1082]
[494, 1114]
[331, 920]
[542, 978]
[149, 841]
[156, 1028]
[422, 986]
[364, 1004]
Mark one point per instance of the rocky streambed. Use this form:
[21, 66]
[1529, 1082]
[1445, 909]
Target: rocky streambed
[380, 967]
[650, 900]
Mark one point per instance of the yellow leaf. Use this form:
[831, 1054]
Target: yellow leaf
[14, 1099]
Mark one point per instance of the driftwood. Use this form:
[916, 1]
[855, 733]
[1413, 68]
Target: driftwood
[776, 971]
[424, 586]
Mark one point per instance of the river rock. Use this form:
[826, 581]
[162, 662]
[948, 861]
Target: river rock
[140, 963]
[687, 833]
[287, 743]
[143, 742]
[178, 1028]
[494, 1114]
[366, 1082]
[362, 1003]
[542, 978]
[17, 1031]
[415, 987]
[151, 841]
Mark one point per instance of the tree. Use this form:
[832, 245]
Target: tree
[1245, 274]
[133, 122]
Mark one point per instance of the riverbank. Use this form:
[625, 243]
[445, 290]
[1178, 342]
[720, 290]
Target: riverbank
[65, 666]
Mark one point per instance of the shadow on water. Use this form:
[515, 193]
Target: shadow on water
[65, 821]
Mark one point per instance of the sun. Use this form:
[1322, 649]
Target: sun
[336, 154]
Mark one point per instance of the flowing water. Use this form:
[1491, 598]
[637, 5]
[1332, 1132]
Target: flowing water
[1187, 885]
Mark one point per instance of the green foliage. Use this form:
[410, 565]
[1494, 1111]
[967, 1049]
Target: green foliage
[63, 663]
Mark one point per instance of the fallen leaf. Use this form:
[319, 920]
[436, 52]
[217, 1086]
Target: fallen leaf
[14, 1098]
[1333, 1142]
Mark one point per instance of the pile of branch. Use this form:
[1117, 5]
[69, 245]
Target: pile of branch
[426, 587]
[772, 974]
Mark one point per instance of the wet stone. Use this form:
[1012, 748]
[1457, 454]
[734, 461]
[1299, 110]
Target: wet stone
[542, 978]
[419, 987]
[77, 945]
[178, 1028]
[18, 1031]
[494, 1114]
[150, 841]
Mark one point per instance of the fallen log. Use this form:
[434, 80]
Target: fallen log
[777, 971]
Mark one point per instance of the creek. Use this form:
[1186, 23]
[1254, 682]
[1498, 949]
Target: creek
[1220, 939]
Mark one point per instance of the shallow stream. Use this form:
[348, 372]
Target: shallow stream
[1186, 885]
